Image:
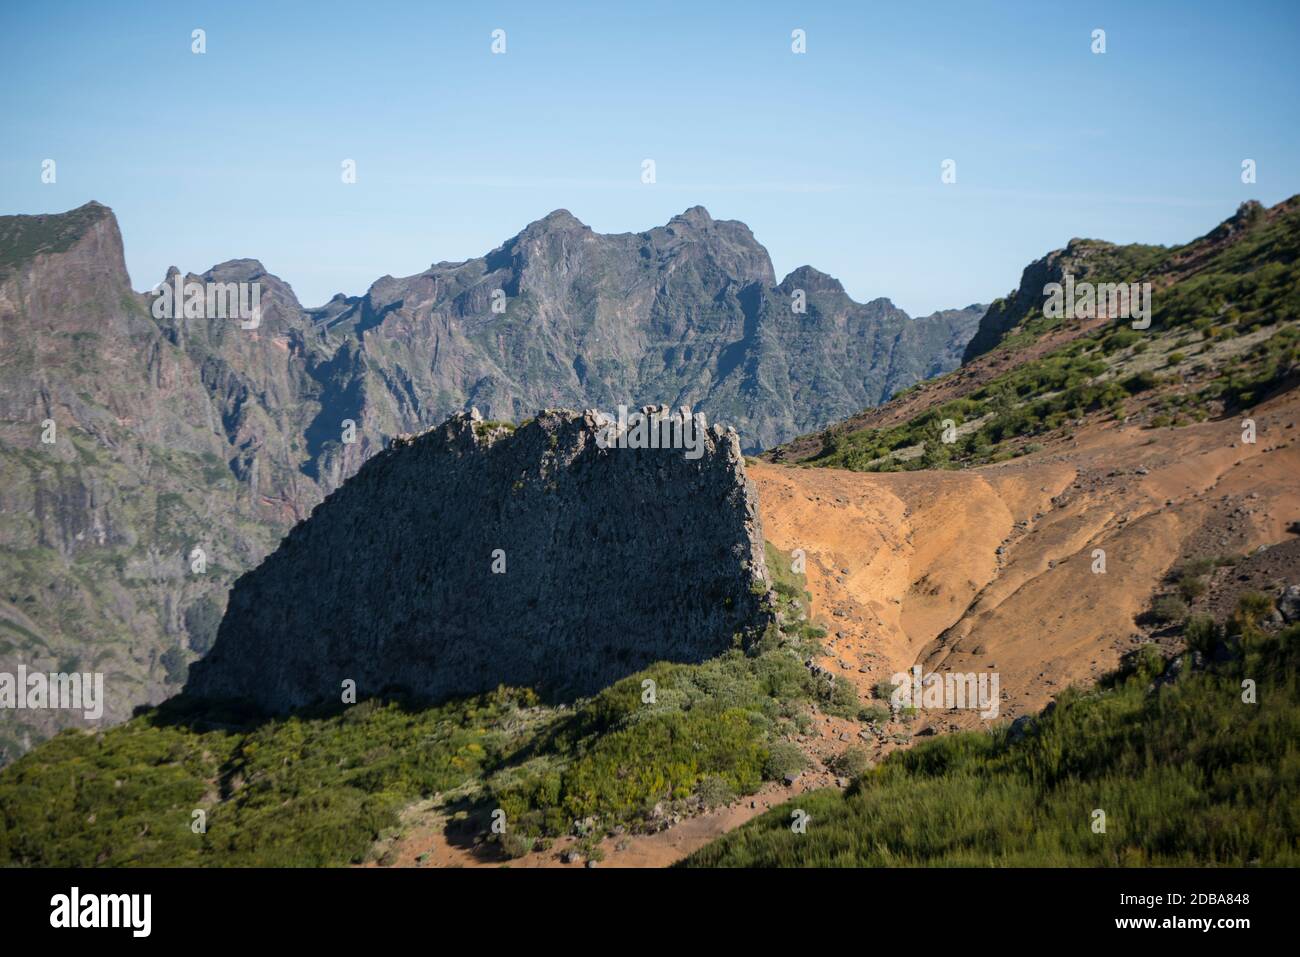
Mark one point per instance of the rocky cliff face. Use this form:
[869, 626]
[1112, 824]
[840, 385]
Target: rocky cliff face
[175, 434]
[472, 555]
[1026, 300]
[165, 436]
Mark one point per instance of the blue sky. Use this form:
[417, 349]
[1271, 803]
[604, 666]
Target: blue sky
[832, 157]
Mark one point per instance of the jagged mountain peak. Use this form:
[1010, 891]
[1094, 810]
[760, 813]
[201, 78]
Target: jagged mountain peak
[810, 279]
[560, 219]
[243, 270]
[90, 211]
[94, 207]
[694, 216]
[240, 271]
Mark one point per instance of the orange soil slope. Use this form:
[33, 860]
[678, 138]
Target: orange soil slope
[990, 569]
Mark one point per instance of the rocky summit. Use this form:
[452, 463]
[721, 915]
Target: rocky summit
[690, 312]
[475, 554]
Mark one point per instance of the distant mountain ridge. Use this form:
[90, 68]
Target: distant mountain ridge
[689, 313]
[173, 435]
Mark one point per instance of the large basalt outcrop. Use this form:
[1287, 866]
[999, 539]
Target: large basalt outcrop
[471, 555]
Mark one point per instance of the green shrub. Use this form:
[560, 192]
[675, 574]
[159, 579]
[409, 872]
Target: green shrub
[784, 758]
[852, 763]
[1192, 587]
[1197, 567]
[714, 791]
[515, 845]
[1168, 609]
[1121, 338]
[1251, 607]
[839, 698]
[1187, 775]
[1202, 634]
[873, 714]
[1141, 381]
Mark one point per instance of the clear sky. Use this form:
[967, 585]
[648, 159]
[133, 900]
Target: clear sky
[832, 157]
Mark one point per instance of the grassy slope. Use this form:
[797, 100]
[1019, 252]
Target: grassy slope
[24, 237]
[320, 788]
[1249, 286]
[1186, 773]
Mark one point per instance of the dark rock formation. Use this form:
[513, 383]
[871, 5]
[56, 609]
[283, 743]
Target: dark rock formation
[613, 558]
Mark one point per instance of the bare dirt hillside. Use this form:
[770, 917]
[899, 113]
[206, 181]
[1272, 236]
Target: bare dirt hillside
[991, 569]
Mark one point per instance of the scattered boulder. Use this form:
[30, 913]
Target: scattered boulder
[1289, 603]
[1020, 728]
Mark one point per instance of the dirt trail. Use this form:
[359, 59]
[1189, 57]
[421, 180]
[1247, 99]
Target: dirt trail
[991, 569]
[425, 841]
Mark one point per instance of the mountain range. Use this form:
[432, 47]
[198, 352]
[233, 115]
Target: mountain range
[178, 451]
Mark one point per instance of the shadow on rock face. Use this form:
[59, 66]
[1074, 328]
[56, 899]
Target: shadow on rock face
[476, 554]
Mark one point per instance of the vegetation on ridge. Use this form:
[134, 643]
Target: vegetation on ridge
[319, 788]
[1184, 368]
[1184, 769]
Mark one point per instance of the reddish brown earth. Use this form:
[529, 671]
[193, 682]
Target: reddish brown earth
[990, 569]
